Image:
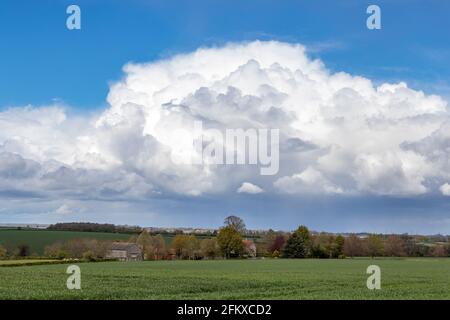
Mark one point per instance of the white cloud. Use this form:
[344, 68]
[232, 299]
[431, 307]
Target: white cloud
[248, 187]
[339, 133]
[69, 209]
[308, 181]
[445, 189]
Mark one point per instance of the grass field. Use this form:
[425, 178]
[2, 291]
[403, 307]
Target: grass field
[38, 239]
[425, 278]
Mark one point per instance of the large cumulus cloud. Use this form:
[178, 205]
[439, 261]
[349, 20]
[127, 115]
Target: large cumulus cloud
[339, 133]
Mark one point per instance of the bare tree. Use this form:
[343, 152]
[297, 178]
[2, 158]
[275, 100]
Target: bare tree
[209, 248]
[236, 223]
[439, 251]
[395, 246]
[353, 247]
[158, 246]
[3, 252]
[180, 246]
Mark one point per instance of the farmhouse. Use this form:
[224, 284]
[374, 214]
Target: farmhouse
[124, 251]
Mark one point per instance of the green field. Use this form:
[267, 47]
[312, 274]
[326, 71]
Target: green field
[425, 278]
[28, 262]
[37, 240]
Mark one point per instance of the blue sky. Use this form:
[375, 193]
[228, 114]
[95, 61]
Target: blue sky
[41, 56]
[43, 63]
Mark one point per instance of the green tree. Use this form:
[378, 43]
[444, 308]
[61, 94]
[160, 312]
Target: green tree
[323, 245]
[299, 244]
[338, 246]
[143, 240]
[230, 242]
[375, 246]
[193, 247]
[89, 256]
[319, 251]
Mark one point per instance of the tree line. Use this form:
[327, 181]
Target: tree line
[93, 227]
[232, 241]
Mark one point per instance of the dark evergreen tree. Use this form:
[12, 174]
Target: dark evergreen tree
[299, 244]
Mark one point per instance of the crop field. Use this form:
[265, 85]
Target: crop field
[424, 278]
[37, 240]
[28, 262]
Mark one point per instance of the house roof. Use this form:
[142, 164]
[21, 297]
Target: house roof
[126, 246]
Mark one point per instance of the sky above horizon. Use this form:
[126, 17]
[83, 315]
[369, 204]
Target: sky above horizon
[86, 115]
